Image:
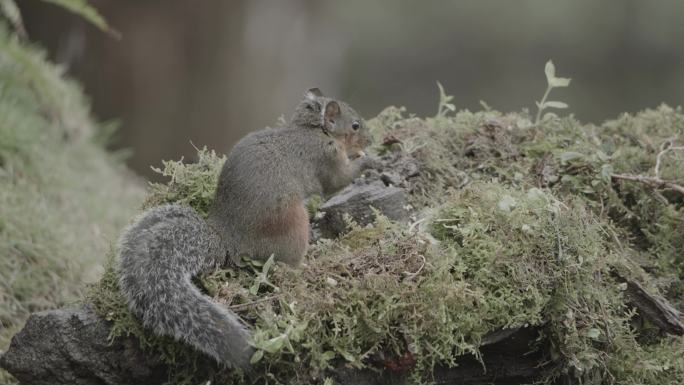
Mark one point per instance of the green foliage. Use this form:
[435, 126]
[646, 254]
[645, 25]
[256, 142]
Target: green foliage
[192, 184]
[79, 7]
[63, 198]
[313, 204]
[444, 106]
[552, 82]
[83, 9]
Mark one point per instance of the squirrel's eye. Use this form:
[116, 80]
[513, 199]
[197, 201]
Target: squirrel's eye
[355, 125]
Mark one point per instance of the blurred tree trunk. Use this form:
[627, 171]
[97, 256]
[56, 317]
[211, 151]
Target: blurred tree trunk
[184, 72]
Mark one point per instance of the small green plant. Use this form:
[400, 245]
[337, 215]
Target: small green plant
[445, 106]
[552, 82]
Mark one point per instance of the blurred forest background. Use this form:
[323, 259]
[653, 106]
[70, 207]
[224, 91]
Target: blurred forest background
[210, 71]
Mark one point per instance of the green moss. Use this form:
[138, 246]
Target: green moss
[529, 229]
[63, 198]
[56, 212]
[564, 156]
[192, 184]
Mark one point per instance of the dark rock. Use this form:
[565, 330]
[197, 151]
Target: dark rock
[507, 359]
[369, 176]
[356, 200]
[391, 178]
[70, 346]
[400, 163]
[409, 168]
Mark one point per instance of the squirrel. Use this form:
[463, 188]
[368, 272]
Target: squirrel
[258, 211]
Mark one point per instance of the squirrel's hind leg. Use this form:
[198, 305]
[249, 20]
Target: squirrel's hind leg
[284, 233]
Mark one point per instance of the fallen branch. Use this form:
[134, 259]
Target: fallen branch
[71, 346]
[650, 181]
[664, 149]
[655, 309]
[508, 358]
[655, 181]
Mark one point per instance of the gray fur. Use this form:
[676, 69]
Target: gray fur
[258, 211]
[310, 114]
[158, 256]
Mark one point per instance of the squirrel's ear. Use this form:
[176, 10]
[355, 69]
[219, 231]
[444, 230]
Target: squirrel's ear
[332, 110]
[313, 93]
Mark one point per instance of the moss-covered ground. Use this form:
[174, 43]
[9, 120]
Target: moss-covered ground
[63, 198]
[523, 224]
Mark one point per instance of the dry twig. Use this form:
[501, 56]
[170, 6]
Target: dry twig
[651, 181]
[664, 149]
[656, 181]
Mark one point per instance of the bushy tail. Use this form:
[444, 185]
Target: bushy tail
[158, 256]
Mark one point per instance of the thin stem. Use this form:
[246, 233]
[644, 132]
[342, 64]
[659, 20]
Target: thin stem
[541, 104]
[252, 303]
[664, 148]
[651, 181]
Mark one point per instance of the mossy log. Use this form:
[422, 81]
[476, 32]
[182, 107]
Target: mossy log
[507, 359]
[70, 347]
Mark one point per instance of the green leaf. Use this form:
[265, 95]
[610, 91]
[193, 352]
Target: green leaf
[262, 277]
[570, 155]
[347, 356]
[254, 289]
[593, 333]
[254, 262]
[550, 71]
[327, 355]
[442, 94]
[554, 104]
[267, 265]
[275, 344]
[444, 100]
[559, 82]
[606, 172]
[256, 357]
[11, 11]
[83, 9]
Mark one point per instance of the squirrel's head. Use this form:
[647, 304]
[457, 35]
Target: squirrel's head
[334, 118]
